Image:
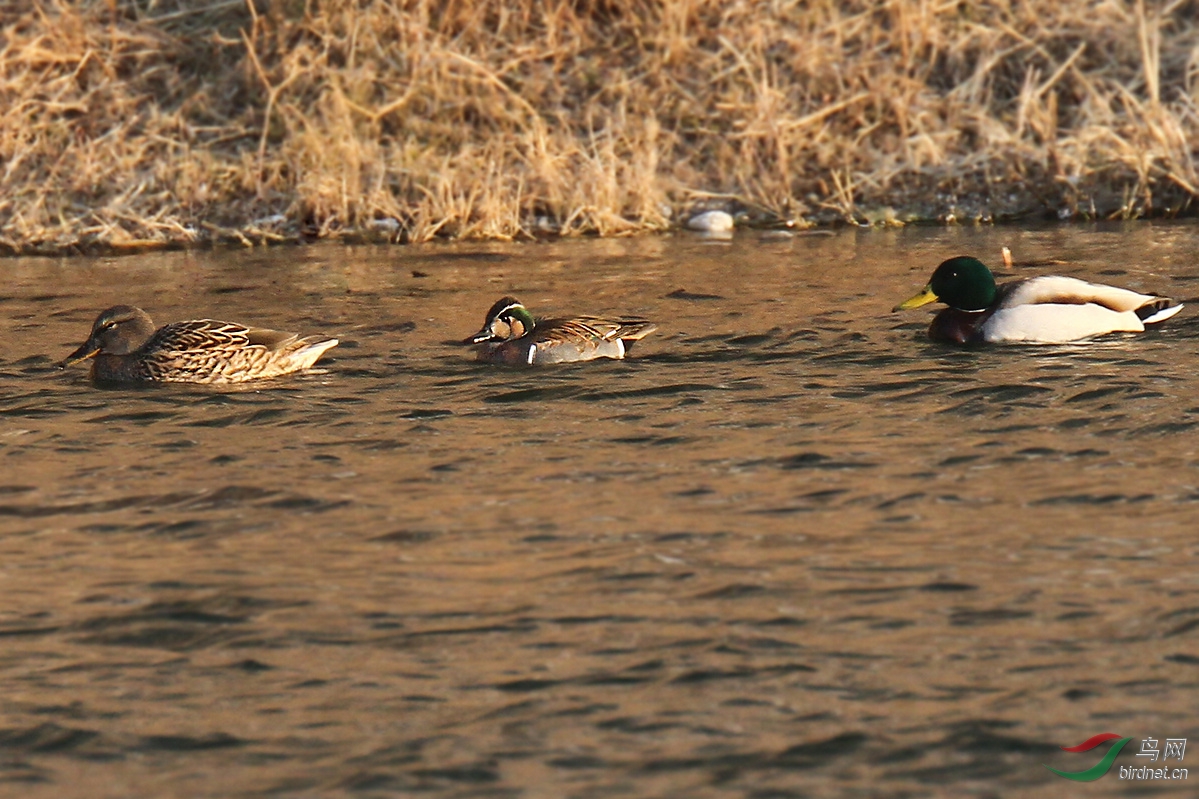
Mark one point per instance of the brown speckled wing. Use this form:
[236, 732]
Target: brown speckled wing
[582, 338]
[211, 351]
[635, 329]
[592, 328]
[199, 335]
[201, 351]
[273, 340]
[572, 331]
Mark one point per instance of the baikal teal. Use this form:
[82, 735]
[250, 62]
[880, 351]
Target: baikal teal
[510, 335]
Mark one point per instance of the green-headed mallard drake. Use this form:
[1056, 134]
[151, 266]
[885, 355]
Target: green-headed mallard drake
[511, 335]
[126, 348]
[1048, 309]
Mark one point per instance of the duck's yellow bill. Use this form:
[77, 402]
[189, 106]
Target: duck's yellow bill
[923, 298]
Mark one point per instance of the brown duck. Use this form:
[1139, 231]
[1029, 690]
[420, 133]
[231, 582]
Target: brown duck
[125, 347]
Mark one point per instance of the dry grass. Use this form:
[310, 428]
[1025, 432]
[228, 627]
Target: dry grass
[140, 123]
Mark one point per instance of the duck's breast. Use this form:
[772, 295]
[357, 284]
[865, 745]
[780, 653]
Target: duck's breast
[509, 353]
[120, 369]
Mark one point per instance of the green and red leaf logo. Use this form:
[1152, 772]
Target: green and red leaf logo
[1099, 769]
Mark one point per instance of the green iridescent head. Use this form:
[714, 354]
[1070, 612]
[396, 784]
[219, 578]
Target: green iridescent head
[964, 283]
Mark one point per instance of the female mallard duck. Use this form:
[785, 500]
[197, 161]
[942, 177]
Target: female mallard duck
[511, 336]
[1045, 309]
[126, 348]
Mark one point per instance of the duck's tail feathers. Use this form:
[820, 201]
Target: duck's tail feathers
[1159, 310]
[634, 329]
[310, 350]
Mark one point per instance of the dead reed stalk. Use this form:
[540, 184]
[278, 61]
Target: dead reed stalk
[142, 123]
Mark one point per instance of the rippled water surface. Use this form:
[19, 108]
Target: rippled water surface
[788, 548]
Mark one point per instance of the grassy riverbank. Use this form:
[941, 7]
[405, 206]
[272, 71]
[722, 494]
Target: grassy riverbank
[138, 123]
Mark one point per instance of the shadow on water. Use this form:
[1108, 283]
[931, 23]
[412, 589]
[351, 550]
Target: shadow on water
[788, 548]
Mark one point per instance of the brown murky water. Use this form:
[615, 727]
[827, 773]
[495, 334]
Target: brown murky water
[789, 548]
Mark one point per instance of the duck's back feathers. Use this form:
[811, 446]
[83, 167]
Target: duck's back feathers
[584, 338]
[633, 329]
[212, 351]
[199, 335]
[1058, 290]
[1055, 309]
[594, 327]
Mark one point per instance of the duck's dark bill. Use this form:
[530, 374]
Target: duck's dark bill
[478, 338]
[85, 351]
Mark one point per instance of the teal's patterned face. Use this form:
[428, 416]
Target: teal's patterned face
[506, 320]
